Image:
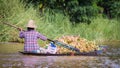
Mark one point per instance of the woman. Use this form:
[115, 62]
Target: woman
[31, 37]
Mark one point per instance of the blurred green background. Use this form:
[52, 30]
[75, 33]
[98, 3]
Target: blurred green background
[96, 20]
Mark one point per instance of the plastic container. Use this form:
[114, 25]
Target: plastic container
[52, 48]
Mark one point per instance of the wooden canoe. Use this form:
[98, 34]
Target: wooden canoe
[95, 53]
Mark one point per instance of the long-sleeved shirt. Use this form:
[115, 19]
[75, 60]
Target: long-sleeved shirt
[31, 39]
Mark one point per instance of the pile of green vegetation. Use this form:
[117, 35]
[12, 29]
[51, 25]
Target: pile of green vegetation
[54, 18]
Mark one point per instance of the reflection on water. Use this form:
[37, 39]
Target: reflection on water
[16, 60]
[22, 61]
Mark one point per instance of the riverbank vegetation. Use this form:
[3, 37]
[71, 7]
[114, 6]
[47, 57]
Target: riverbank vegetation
[94, 20]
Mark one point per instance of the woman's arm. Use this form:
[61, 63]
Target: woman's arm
[42, 37]
[21, 35]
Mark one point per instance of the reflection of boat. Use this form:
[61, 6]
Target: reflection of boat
[95, 53]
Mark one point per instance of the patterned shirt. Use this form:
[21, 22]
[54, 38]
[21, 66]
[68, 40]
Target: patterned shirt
[31, 38]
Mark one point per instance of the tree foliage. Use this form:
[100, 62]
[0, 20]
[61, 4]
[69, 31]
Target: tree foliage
[111, 7]
[80, 10]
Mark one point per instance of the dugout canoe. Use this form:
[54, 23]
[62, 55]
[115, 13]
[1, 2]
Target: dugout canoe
[95, 53]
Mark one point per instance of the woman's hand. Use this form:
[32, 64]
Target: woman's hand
[20, 29]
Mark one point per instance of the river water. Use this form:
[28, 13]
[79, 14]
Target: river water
[10, 58]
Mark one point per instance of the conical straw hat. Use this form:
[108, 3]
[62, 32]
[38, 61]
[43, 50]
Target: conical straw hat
[31, 24]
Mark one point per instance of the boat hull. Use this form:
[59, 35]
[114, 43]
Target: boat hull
[67, 54]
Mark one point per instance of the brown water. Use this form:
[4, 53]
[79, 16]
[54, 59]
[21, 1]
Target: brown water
[10, 58]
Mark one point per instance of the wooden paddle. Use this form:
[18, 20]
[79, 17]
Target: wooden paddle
[13, 26]
[65, 45]
[55, 42]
